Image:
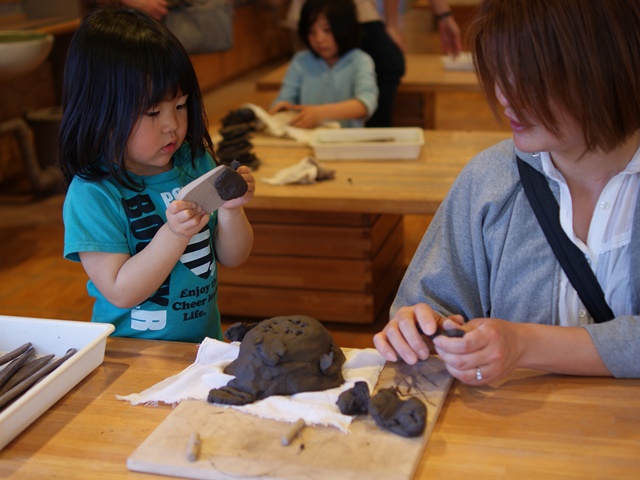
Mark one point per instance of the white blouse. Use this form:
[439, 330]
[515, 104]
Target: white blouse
[607, 247]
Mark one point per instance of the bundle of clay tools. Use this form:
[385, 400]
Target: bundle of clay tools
[21, 368]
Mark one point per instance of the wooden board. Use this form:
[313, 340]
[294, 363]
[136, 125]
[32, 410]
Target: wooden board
[203, 191]
[238, 445]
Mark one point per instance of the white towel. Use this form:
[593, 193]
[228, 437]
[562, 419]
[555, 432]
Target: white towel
[306, 171]
[277, 124]
[316, 408]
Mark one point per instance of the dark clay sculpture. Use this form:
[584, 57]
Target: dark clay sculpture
[282, 356]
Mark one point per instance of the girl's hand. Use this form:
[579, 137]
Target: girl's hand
[246, 198]
[403, 336]
[309, 116]
[185, 219]
[281, 106]
[489, 344]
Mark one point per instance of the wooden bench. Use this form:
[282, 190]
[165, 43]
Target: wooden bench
[415, 105]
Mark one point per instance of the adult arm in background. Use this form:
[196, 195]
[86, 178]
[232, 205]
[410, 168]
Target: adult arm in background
[450, 36]
[392, 22]
[158, 9]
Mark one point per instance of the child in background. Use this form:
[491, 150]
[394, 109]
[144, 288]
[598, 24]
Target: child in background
[383, 39]
[332, 80]
[133, 133]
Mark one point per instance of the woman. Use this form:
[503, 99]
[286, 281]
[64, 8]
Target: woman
[567, 75]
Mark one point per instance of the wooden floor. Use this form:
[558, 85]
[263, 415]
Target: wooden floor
[35, 280]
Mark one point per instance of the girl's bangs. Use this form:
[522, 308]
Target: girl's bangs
[166, 78]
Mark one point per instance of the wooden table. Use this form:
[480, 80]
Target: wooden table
[424, 78]
[372, 186]
[531, 425]
[334, 250]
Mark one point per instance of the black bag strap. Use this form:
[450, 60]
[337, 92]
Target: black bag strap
[569, 255]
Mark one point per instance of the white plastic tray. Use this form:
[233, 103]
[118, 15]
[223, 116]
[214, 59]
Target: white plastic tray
[393, 143]
[49, 336]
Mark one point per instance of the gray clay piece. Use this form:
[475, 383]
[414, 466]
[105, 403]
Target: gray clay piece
[354, 401]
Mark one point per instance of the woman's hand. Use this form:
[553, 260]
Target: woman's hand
[185, 219]
[489, 344]
[403, 336]
[490, 349]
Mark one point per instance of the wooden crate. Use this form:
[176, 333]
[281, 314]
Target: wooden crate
[336, 267]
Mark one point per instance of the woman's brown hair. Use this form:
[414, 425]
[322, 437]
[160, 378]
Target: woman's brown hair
[582, 56]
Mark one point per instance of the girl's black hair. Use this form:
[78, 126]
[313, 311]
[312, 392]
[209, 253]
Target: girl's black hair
[120, 63]
[342, 17]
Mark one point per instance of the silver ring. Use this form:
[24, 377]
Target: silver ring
[478, 374]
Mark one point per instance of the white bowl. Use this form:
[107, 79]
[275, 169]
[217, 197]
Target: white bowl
[22, 51]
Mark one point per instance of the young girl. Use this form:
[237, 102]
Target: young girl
[133, 133]
[333, 80]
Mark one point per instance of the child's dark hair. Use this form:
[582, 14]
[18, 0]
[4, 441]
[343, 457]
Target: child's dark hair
[342, 17]
[120, 63]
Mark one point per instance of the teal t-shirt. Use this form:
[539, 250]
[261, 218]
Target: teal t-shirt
[107, 217]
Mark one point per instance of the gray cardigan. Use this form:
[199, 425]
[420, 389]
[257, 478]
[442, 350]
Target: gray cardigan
[484, 255]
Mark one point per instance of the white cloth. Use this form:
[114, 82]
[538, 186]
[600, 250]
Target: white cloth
[306, 171]
[277, 125]
[316, 408]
